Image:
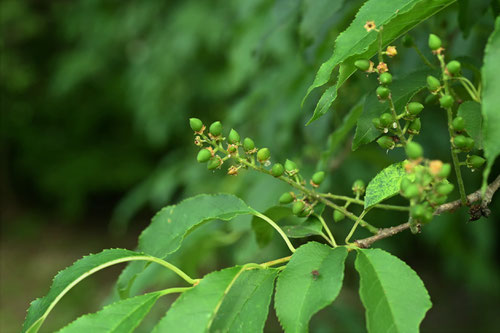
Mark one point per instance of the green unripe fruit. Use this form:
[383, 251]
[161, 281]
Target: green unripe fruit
[405, 182]
[386, 142]
[248, 144]
[460, 141]
[203, 156]
[433, 84]
[358, 187]
[385, 78]
[196, 124]
[290, 166]
[445, 171]
[213, 164]
[414, 150]
[415, 126]
[362, 64]
[216, 128]
[446, 101]
[277, 170]
[408, 41]
[376, 123]
[469, 143]
[458, 124]
[233, 137]
[453, 67]
[427, 217]
[286, 198]
[386, 119]
[444, 189]
[263, 154]
[431, 99]
[232, 149]
[383, 92]
[338, 216]
[318, 177]
[475, 162]
[298, 207]
[414, 108]
[418, 211]
[411, 191]
[437, 199]
[434, 42]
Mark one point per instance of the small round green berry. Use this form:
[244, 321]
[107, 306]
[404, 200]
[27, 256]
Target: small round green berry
[433, 84]
[386, 119]
[298, 207]
[414, 151]
[196, 124]
[286, 198]
[376, 122]
[203, 156]
[290, 166]
[415, 126]
[437, 199]
[427, 217]
[475, 162]
[383, 93]
[216, 128]
[411, 191]
[414, 108]
[460, 141]
[385, 78]
[362, 64]
[453, 67]
[277, 170]
[434, 42]
[445, 171]
[444, 188]
[418, 211]
[232, 149]
[233, 137]
[248, 144]
[446, 101]
[469, 143]
[338, 216]
[318, 177]
[358, 187]
[263, 154]
[458, 124]
[213, 164]
[408, 41]
[405, 182]
[386, 142]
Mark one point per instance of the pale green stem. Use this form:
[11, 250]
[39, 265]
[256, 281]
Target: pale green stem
[361, 202]
[278, 229]
[328, 232]
[355, 225]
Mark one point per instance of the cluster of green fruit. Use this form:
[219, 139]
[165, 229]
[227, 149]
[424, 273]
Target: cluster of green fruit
[425, 185]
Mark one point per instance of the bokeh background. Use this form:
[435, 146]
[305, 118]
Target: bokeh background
[95, 101]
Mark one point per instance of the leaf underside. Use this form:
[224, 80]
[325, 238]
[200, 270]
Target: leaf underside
[386, 184]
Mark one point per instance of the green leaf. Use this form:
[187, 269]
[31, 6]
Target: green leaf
[233, 299]
[402, 91]
[385, 184]
[263, 231]
[311, 281]
[312, 226]
[70, 276]
[470, 13]
[122, 316]
[397, 17]
[171, 224]
[491, 100]
[471, 112]
[393, 295]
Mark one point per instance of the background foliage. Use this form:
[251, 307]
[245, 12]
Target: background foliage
[95, 97]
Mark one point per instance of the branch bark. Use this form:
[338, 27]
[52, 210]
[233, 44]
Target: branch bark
[449, 206]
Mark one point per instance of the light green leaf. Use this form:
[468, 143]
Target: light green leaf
[312, 226]
[402, 91]
[171, 224]
[397, 17]
[471, 112]
[393, 295]
[233, 299]
[122, 316]
[263, 231]
[311, 281]
[385, 184]
[70, 276]
[491, 100]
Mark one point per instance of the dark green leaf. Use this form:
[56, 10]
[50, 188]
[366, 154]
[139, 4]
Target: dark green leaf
[386, 184]
[471, 112]
[312, 226]
[311, 281]
[393, 295]
[470, 12]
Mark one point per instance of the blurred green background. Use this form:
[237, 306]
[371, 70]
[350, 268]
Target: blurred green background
[95, 101]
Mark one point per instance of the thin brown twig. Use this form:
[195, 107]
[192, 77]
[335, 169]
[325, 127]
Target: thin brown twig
[391, 231]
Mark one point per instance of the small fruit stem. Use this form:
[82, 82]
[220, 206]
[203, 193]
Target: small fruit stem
[361, 202]
[355, 226]
[423, 57]
[278, 229]
[329, 233]
[395, 119]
